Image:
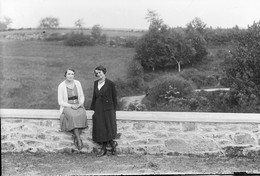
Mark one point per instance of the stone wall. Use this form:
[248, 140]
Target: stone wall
[138, 132]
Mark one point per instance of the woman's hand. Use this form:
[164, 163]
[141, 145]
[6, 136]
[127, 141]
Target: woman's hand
[75, 106]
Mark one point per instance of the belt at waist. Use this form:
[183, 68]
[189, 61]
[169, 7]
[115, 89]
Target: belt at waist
[73, 98]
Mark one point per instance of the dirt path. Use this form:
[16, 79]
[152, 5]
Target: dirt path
[134, 100]
[41, 164]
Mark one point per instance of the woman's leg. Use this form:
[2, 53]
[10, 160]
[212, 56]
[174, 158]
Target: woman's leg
[78, 139]
[103, 150]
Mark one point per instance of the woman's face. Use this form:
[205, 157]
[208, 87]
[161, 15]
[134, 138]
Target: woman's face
[100, 74]
[70, 75]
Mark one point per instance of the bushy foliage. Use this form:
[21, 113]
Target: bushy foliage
[96, 33]
[79, 39]
[220, 36]
[168, 90]
[242, 69]
[49, 23]
[5, 23]
[199, 44]
[128, 42]
[134, 83]
[200, 79]
[163, 47]
[56, 37]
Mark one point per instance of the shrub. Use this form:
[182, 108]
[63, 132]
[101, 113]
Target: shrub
[135, 69]
[168, 90]
[126, 87]
[56, 37]
[79, 39]
[198, 78]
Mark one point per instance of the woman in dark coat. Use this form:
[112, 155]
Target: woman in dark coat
[104, 103]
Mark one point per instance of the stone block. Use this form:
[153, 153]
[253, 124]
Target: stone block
[204, 145]
[249, 127]
[178, 145]
[151, 127]
[28, 136]
[33, 143]
[123, 128]
[154, 141]
[41, 136]
[175, 129]
[206, 128]
[4, 137]
[7, 146]
[251, 152]
[131, 137]
[219, 135]
[47, 123]
[227, 127]
[160, 134]
[225, 142]
[189, 126]
[233, 151]
[55, 138]
[139, 126]
[139, 142]
[173, 135]
[243, 138]
[21, 144]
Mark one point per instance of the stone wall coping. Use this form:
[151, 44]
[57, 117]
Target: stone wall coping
[140, 116]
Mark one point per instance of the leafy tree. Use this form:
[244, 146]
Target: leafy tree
[156, 23]
[196, 24]
[79, 23]
[195, 31]
[180, 49]
[242, 68]
[96, 32]
[150, 48]
[5, 23]
[49, 23]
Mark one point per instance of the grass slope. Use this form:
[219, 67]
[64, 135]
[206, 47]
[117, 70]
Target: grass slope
[32, 70]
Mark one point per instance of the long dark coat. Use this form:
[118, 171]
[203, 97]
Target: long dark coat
[104, 104]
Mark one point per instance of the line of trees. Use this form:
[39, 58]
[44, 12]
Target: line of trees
[163, 47]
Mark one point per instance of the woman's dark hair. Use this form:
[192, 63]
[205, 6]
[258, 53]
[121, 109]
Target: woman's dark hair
[103, 69]
[71, 69]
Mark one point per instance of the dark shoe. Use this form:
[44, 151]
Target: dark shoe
[113, 144]
[102, 152]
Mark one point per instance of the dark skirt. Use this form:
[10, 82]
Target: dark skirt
[104, 123]
[71, 119]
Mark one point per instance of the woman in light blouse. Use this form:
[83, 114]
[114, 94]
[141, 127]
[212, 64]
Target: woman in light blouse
[73, 114]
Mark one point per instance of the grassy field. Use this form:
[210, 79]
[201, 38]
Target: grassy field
[32, 70]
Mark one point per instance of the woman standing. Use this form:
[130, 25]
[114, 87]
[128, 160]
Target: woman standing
[104, 103]
[71, 99]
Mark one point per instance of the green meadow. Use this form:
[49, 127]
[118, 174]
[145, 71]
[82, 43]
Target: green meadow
[32, 70]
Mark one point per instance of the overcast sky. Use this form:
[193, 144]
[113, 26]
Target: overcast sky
[131, 14]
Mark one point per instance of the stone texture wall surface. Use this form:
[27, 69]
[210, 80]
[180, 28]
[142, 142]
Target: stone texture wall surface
[145, 137]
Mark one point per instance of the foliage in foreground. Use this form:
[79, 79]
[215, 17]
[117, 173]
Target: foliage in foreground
[243, 67]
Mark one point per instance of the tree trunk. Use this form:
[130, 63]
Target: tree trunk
[179, 66]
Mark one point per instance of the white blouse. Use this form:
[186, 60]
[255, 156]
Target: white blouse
[100, 85]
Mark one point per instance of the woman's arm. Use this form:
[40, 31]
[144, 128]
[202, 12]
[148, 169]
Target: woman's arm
[61, 98]
[114, 95]
[92, 106]
[81, 95]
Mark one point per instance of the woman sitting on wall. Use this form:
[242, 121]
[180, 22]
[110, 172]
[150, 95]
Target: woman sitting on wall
[73, 114]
